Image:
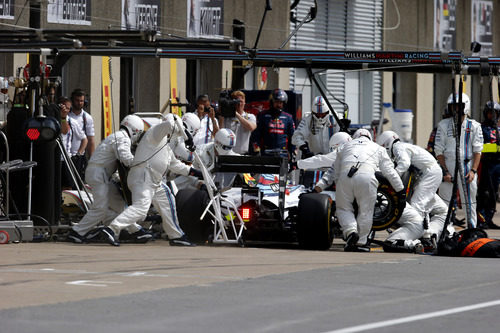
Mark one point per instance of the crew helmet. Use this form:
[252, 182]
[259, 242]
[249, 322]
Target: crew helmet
[362, 132]
[279, 95]
[191, 122]
[319, 106]
[175, 126]
[224, 141]
[491, 106]
[465, 101]
[4, 83]
[134, 126]
[387, 139]
[320, 110]
[338, 140]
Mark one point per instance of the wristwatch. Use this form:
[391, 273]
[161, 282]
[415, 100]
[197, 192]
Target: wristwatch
[474, 170]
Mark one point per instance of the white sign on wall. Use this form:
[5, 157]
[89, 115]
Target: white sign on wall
[141, 14]
[482, 25]
[205, 18]
[7, 9]
[69, 12]
[445, 25]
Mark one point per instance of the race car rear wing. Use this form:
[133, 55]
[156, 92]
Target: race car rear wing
[257, 164]
[251, 164]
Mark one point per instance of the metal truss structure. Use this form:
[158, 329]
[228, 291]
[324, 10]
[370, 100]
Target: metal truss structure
[138, 43]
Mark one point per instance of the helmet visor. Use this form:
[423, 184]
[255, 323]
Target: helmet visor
[320, 115]
[457, 107]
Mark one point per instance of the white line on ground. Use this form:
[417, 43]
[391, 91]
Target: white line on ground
[127, 274]
[92, 283]
[386, 323]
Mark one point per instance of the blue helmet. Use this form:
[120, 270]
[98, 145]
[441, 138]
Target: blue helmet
[279, 95]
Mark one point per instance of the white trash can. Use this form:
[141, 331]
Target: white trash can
[402, 123]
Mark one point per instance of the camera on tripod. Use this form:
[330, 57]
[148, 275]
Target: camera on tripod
[227, 104]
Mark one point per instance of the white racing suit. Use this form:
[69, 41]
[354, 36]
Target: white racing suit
[317, 136]
[471, 141]
[107, 200]
[328, 177]
[207, 155]
[182, 182]
[317, 161]
[368, 157]
[429, 174]
[438, 217]
[411, 226]
[153, 158]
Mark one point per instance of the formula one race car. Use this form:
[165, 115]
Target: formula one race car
[265, 208]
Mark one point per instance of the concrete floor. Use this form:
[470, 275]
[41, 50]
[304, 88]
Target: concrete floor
[61, 287]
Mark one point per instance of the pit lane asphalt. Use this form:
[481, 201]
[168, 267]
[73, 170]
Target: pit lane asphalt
[62, 287]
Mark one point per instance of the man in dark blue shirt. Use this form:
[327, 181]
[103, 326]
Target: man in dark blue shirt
[490, 166]
[274, 127]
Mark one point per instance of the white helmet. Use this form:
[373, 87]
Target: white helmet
[465, 101]
[176, 127]
[191, 122]
[362, 132]
[338, 140]
[387, 139]
[134, 126]
[320, 110]
[4, 83]
[224, 141]
[183, 154]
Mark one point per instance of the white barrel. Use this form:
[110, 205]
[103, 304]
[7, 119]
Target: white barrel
[402, 123]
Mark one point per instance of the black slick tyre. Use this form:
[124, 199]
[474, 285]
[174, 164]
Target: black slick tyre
[314, 229]
[388, 208]
[190, 205]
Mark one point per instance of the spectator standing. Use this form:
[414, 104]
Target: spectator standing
[242, 124]
[86, 123]
[51, 94]
[209, 124]
[490, 166]
[73, 140]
